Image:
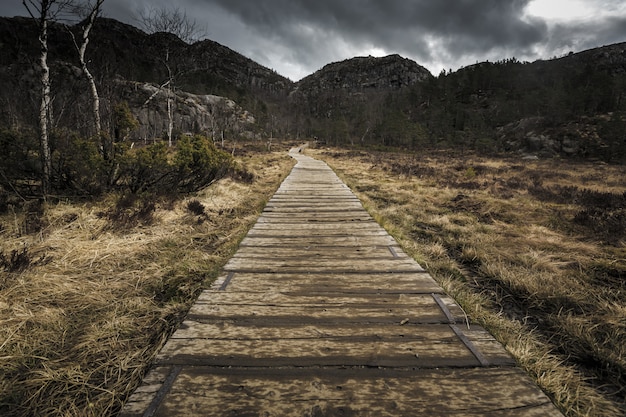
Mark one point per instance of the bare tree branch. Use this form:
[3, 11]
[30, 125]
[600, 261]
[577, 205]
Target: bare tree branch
[171, 20]
[92, 10]
[174, 21]
[159, 89]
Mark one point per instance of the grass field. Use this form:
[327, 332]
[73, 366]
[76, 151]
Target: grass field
[534, 250]
[89, 292]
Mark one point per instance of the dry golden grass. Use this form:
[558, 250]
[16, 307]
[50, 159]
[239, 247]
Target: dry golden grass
[83, 318]
[533, 250]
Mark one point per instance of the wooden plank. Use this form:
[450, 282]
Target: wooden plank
[281, 315]
[298, 195]
[298, 340]
[317, 233]
[231, 330]
[355, 392]
[433, 348]
[285, 299]
[312, 241]
[419, 283]
[319, 252]
[336, 219]
[399, 265]
[320, 227]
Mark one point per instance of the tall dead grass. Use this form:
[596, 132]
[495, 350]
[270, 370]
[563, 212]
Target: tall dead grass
[96, 298]
[505, 237]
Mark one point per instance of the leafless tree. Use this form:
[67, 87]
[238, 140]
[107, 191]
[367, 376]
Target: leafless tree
[43, 12]
[91, 9]
[174, 21]
[171, 20]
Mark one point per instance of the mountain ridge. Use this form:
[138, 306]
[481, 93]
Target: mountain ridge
[389, 101]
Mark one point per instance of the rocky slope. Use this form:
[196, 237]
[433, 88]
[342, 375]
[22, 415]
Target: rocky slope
[362, 74]
[212, 84]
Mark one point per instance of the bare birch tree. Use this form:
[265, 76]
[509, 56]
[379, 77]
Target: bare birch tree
[43, 12]
[91, 10]
[174, 21]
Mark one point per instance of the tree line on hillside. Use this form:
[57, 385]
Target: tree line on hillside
[468, 108]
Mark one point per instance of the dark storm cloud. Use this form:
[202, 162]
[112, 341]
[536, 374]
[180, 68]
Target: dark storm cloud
[13, 8]
[581, 35]
[406, 26]
[297, 37]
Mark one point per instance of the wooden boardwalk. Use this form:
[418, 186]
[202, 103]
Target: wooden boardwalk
[321, 313]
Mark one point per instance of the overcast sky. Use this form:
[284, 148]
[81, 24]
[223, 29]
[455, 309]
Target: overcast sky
[298, 37]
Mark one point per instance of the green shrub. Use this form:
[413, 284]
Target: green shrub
[78, 165]
[147, 168]
[20, 162]
[85, 167]
[198, 163]
[192, 165]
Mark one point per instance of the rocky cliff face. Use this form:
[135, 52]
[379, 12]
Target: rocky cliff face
[207, 114]
[130, 65]
[364, 74]
[338, 89]
[137, 56]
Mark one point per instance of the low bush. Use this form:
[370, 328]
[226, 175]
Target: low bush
[19, 165]
[199, 163]
[93, 166]
[131, 210]
[192, 165]
[78, 166]
[196, 207]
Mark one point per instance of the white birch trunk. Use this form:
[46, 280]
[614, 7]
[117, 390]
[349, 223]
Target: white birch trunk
[170, 115]
[44, 109]
[95, 97]
[170, 118]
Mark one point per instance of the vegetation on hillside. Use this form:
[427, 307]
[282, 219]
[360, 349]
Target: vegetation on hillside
[571, 106]
[577, 102]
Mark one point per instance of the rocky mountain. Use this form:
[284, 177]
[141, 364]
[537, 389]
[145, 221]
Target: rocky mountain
[361, 74]
[572, 106]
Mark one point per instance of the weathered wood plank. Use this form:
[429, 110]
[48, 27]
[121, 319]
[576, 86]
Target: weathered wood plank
[314, 253]
[433, 348]
[304, 283]
[286, 299]
[317, 314]
[315, 216]
[312, 241]
[356, 392]
[399, 265]
[317, 233]
[319, 227]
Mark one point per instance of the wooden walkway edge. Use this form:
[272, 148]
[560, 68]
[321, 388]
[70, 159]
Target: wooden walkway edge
[321, 313]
